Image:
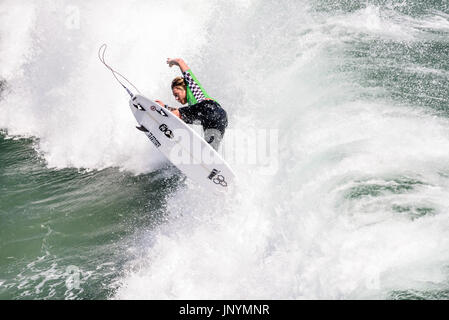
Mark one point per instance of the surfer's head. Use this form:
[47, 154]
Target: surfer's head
[179, 89]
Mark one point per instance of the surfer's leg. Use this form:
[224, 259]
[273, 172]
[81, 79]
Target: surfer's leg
[213, 137]
[215, 126]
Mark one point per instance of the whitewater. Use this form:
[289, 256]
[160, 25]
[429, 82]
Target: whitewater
[354, 98]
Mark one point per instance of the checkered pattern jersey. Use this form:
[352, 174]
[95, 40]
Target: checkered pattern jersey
[194, 87]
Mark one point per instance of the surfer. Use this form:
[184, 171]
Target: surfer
[201, 107]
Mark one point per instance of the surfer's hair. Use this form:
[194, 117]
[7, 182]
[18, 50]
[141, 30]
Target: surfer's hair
[178, 82]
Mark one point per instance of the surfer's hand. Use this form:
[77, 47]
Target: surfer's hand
[172, 62]
[178, 62]
[160, 103]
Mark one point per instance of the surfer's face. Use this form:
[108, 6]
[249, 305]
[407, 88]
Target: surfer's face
[180, 95]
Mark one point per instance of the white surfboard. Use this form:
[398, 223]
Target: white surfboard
[185, 148]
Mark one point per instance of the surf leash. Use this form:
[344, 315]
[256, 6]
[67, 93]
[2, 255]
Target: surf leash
[116, 74]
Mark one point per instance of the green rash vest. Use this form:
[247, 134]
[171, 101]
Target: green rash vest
[195, 91]
[201, 107]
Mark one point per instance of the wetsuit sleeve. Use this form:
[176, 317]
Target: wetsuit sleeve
[195, 92]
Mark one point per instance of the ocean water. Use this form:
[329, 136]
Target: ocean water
[356, 205]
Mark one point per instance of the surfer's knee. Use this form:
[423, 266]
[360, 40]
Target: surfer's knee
[213, 137]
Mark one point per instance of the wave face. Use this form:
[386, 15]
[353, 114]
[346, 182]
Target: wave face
[357, 206]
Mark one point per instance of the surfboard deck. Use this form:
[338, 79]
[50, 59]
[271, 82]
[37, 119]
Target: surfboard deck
[184, 147]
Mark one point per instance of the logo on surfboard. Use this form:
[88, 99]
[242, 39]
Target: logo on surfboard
[154, 140]
[217, 178]
[168, 133]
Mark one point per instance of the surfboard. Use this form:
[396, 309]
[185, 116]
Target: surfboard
[182, 146]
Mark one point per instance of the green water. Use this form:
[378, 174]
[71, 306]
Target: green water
[55, 221]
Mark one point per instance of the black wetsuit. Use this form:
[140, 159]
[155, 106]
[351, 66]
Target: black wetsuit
[208, 112]
[205, 110]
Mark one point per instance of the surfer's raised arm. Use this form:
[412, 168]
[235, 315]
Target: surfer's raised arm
[179, 88]
[201, 108]
[178, 62]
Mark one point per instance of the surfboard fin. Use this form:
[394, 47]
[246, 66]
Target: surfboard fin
[139, 107]
[142, 128]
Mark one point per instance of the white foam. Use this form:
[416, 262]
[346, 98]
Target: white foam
[66, 98]
[298, 234]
